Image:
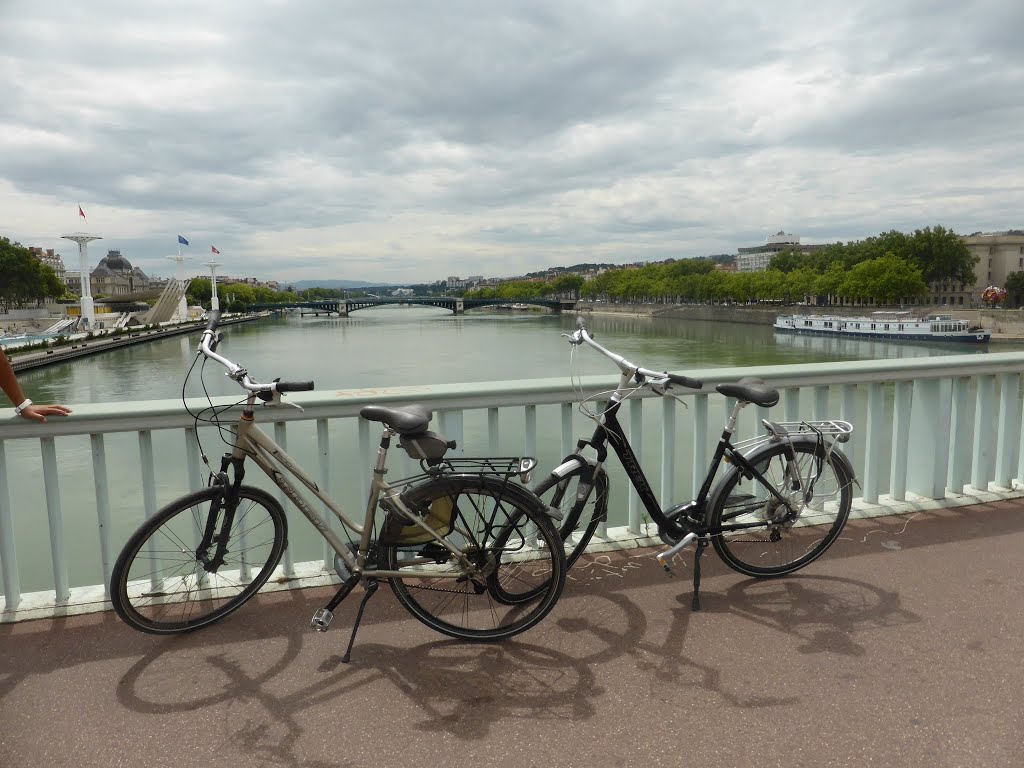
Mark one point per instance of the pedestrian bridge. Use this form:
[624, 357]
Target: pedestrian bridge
[457, 305]
[928, 432]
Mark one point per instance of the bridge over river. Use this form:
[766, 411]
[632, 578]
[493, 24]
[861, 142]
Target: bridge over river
[458, 306]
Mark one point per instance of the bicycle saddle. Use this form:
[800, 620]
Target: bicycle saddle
[751, 390]
[405, 420]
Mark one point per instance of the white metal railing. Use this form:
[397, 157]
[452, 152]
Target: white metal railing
[925, 429]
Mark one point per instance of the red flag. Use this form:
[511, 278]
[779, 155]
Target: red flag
[81, 212]
[214, 249]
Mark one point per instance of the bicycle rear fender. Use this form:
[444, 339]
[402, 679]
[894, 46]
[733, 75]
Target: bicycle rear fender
[809, 440]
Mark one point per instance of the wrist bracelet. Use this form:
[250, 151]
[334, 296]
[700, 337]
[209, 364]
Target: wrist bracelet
[19, 408]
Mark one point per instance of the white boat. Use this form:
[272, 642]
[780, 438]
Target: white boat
[892, 326]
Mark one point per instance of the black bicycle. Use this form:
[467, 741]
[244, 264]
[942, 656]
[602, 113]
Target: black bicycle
[780, 504]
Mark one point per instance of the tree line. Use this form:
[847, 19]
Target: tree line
[893, 267]
[24, 279]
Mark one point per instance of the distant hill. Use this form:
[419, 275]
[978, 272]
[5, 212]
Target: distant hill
[301, 285]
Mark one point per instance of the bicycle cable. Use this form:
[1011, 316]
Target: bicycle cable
[214, 418]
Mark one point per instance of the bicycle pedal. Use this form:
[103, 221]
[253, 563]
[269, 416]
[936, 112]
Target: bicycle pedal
[321, 620]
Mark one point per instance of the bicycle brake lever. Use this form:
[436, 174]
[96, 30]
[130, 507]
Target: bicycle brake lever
[276, 401]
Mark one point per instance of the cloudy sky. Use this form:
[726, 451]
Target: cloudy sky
[409, 141]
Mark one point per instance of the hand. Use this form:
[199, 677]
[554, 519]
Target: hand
[40, 412]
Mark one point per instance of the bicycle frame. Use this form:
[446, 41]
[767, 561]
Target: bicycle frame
[609, 429]
[253, 443]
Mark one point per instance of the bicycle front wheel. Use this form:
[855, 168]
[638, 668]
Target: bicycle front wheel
[778, 541]
[192, 564]
[516, 567]
[580, 516]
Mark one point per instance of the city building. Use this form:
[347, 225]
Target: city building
[999, 254]
[757, 258]
[114, 276]
[50, 259]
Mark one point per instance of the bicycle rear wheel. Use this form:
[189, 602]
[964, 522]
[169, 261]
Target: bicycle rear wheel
[182, 569]
[781, 542]
[518, 567]
[580, 518]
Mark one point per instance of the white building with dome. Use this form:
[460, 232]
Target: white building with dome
[115, 276]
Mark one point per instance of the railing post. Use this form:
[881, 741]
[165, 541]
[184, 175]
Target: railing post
[51, 482]
[668, 450]
[99, 473]
[636, 439]
[323, 444]
[960, 461]
[876, 423]
[530, 430]
[901, 407]
[701, 455]
[1007, 426]
[929, 438]
[983, 449]
[8, 551]
[281, 438]
[493, 436]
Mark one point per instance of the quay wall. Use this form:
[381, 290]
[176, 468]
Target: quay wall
[1007, 322]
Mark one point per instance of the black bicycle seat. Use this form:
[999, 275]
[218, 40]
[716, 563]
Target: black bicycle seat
[405, 420]
[751, 390]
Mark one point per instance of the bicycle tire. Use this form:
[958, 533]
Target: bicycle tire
[782, 545]
[502, 529]
[577, 526]
[167, 589]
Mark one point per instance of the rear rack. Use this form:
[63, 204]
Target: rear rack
[839, 432]
[500, 466]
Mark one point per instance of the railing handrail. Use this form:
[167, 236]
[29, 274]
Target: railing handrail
[341, 403]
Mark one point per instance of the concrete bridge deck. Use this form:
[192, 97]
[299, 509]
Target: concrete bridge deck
[901, 647]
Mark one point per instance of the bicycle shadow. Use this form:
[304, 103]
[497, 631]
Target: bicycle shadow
[447, 686]
[824, 612]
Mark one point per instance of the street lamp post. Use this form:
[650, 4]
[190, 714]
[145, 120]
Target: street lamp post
[214, 302]
[87, 309]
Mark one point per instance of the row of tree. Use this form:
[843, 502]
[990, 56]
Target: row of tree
[24, 279]
[891, 268]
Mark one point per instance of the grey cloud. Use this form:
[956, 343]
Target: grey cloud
[531, 131]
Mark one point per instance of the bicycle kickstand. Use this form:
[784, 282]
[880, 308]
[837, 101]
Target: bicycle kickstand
[371, 587]
[702, 544]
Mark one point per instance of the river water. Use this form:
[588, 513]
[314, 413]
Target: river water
[391, 346]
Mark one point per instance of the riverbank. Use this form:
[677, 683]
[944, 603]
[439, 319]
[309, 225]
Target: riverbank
[1006, 324]
[94, 344]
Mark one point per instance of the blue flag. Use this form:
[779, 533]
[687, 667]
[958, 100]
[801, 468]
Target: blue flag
[182, 240]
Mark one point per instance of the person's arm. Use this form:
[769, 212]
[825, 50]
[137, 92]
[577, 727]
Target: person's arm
[26, 408]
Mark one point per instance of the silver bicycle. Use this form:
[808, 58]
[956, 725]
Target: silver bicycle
[467, 551]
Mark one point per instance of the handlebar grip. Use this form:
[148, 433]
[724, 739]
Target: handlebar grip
[214, 320]
[686, 381]
[294, 386]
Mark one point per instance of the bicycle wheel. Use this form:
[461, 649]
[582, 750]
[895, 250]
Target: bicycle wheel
[182, 570]
[781, 542]
[517, 565]
[579, 520]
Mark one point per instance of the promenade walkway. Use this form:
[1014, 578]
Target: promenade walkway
[903, 646]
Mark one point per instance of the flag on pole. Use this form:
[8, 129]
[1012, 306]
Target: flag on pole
[82, 213]
[182, 240]
[214, 249]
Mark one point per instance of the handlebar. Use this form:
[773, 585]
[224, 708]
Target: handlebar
[654, 378]
[207, 346]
